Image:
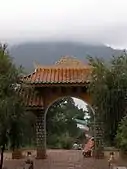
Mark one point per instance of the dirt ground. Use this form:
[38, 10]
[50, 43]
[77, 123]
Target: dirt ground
[59, 159]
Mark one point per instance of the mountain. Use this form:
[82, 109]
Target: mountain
[49, 52]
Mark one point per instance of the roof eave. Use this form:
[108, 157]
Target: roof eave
[28, 108]
[57, 84]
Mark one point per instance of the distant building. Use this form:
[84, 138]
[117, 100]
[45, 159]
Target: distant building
[82, 125]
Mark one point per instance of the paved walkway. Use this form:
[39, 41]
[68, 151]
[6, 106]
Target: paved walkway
[61, 159]
[71, 160]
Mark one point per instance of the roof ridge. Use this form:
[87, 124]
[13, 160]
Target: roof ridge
[59, 67]
[64, 61]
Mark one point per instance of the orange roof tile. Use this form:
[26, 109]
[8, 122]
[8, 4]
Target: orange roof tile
[60, 75]
[31, 98]
[66, 70]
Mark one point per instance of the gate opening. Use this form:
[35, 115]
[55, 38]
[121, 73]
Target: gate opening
[69, 124]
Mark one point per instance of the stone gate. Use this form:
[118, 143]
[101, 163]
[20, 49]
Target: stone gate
[67, 77]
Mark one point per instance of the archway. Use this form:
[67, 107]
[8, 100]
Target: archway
[68, 121]
[68, 77]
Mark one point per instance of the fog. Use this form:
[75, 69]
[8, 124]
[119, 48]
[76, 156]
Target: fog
[89, 21]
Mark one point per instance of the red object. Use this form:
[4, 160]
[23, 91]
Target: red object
[89, 145]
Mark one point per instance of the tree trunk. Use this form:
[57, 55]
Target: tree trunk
[2, 156]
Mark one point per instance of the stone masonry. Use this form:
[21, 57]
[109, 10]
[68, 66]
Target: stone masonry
[41, 135]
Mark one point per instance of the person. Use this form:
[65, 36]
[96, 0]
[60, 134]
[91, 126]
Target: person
[92, 144]
[111, 160]
[29, 159]
[75, 146]
[88, 148]
[29, 156]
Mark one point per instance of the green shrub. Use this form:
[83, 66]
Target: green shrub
[66, 141]
[52, 141]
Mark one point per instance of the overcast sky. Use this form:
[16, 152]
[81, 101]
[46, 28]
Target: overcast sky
[97, 21]
[80, 103]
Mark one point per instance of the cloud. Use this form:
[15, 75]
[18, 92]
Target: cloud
[98, 21]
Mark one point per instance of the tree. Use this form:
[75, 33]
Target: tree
[108, 88]
[12, 111]
[121, 137]
[60, 120]
[22, 130]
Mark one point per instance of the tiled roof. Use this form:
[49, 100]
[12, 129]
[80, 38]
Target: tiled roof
[61, 75]
[67, 70]
[31, 98]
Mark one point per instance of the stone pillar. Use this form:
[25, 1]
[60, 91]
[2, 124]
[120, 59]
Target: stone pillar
[99, 147]
[41, 135]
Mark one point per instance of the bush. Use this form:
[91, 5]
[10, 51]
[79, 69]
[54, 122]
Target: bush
[53, 141]
[66, 141]
[63, 141]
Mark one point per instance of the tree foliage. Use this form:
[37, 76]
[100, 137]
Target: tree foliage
[108, 89]
[121, 137]
[61, 127]
[12, 111]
